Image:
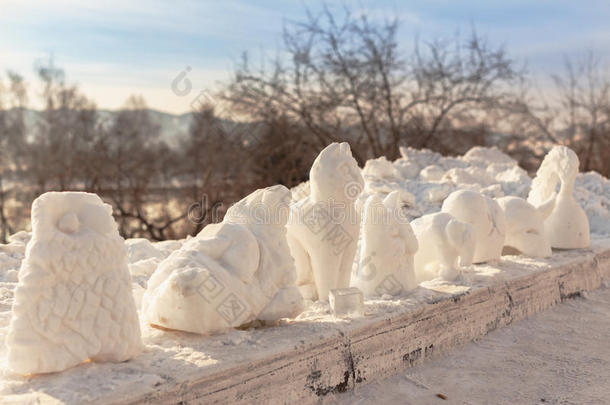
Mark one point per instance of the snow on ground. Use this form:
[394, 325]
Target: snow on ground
[559, 356]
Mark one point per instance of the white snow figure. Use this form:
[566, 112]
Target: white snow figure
[231, 273]
[73, 302]
[525, 227]
[485, 216]
[442, 240]
[385, 265]
[323, 228]
[567, 226]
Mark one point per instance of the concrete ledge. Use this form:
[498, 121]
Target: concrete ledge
[384, 345]
[313, 358]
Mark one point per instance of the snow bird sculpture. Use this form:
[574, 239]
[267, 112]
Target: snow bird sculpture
[567, 226]
[74, 299]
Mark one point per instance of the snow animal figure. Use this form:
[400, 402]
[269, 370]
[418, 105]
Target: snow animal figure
[567, 226]
[231, 273]
[442, 239]
[485, 216]
[385, 265]
[74, 300]
[525, 227]
[323, 227]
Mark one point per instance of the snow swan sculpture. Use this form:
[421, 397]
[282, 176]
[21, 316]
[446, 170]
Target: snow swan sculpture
[385, 263]
[323, 228]
[525, 227]
[567, 226]
[485, 216]
[443, 239]
[74, 300]
[231, 273]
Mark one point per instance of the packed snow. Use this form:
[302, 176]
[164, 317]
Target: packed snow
[426, 178]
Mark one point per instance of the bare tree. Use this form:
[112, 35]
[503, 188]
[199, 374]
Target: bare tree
[347, 80]
[212, 168]
[134, 172]
[13, 99]
[63, 139]
[584, 96]
[577, 114]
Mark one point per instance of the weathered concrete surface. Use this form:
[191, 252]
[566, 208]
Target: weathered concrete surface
[362, 352]
[558, 356]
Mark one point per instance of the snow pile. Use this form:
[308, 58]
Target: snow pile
[426, 178]
[592, 192]
[11, 256]
[144, 257]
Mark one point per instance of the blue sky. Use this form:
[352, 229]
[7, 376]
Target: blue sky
[112, 49]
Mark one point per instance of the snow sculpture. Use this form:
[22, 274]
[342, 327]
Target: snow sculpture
[567, 226]
[231, 273]
[385, 264]
[73, 302]
[442, 240]
[485, 216]
[323, 228]
[525, 227]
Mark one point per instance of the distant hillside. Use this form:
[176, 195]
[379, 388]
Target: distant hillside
[171, 125]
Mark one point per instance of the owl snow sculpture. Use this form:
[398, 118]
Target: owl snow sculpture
[485, 216]
[385, 263]
[73, 302]
[442, 240]
[323, 227]
[525, 227]
[567, 226]
[231, 273]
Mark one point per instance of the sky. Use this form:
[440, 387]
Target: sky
[112, 49]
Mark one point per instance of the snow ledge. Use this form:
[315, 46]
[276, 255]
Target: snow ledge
[317, 356]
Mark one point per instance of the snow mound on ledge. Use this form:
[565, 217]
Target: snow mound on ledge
[426, 178]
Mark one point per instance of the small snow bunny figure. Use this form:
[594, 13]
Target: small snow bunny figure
[567, 226]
